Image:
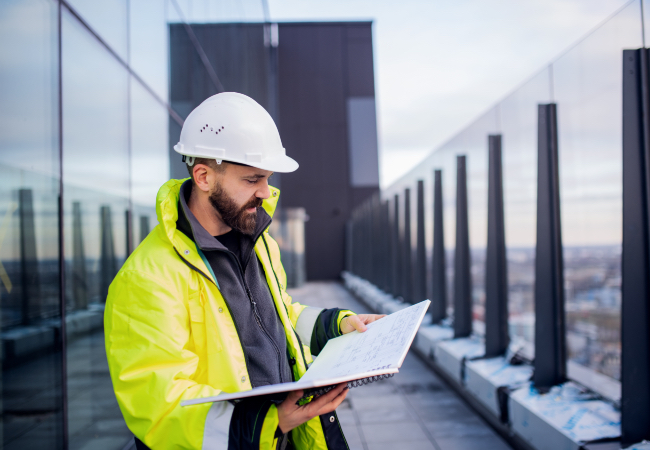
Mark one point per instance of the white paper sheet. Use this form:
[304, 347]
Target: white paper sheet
[379, 350]
[382, 346]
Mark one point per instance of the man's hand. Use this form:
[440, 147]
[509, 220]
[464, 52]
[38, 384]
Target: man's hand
[359, 322]
[291, 415]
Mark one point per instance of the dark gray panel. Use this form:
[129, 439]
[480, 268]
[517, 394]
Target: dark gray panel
[550, 332]
[438, 264]
[357, 195]
[420, 269]
[496, 277]
[362, 141]
[361, 78]
[462, 257]
[635, 314]
[407, 249]
[313, 81]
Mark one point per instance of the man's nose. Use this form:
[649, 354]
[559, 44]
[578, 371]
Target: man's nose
[263, 192]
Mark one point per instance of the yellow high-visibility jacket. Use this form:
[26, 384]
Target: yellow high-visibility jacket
[170, 337]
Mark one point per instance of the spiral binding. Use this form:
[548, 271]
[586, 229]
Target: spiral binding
[317, 392]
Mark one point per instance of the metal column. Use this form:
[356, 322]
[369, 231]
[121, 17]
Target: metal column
[496, 276]
[550, 333]
[635, 314]
[396, 250]
[107, 262]
[420, 291]
[407, 262]
[386, 246]
[438, 307]
[30, 283]
[462, 257]
[79, 276]
[144, 227]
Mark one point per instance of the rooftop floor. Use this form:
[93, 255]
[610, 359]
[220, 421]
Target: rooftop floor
[413, 410]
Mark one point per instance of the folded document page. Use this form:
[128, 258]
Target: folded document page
[380, 350]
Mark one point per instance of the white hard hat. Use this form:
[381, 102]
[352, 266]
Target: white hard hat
[233, 127]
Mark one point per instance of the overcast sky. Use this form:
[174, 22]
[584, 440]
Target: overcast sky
[439, 64]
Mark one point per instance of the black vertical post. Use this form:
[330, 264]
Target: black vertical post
[369, 243]
[129, 232]
[420, 291]
[462, 258]
[144, 227]
[397, 250]
[384, 246]
[354, 259]
[377, 253]
[407, 263]
[107, 262]
[359, 242]
[348, 245]
[550, 337]
[29, 274]
[496, 275]
[79, 278]
[439, 265]
[354, 263]
[362, 241]
[635, 314]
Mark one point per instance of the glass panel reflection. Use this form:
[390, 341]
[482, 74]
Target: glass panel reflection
[519, 126]
[30, 319]
[472, 142]
[148, 44]
[587, 85]
[96, 188]
[107, 19]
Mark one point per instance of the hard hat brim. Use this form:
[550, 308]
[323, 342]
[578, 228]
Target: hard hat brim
[279, 164]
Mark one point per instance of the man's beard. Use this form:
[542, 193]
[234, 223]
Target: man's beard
[233, 216]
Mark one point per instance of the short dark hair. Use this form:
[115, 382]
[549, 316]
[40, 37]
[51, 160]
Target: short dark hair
[211, 163]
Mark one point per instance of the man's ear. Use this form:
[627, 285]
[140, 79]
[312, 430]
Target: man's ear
[202, 175]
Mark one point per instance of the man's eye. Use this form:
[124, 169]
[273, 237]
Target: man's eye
[252, 181]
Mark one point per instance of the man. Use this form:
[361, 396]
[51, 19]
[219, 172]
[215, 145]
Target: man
[200, 306]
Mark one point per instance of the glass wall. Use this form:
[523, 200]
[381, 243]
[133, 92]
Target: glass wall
[84, 106]
[586, 84]
[30, 314]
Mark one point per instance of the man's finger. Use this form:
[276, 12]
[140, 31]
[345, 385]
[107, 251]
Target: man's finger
[332, 405]
[293, 397]
[295, 394]
[319, 402]
[358, 324]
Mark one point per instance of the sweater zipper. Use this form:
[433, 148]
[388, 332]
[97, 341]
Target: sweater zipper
[258, 319]
[295, 333]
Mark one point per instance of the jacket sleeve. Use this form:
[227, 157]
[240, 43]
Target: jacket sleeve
[152, 365]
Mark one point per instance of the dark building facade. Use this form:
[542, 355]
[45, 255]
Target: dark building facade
[317, 81]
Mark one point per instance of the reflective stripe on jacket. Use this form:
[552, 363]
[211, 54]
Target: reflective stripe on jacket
[170, 337]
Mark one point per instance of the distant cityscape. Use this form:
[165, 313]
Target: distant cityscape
[592, 280]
